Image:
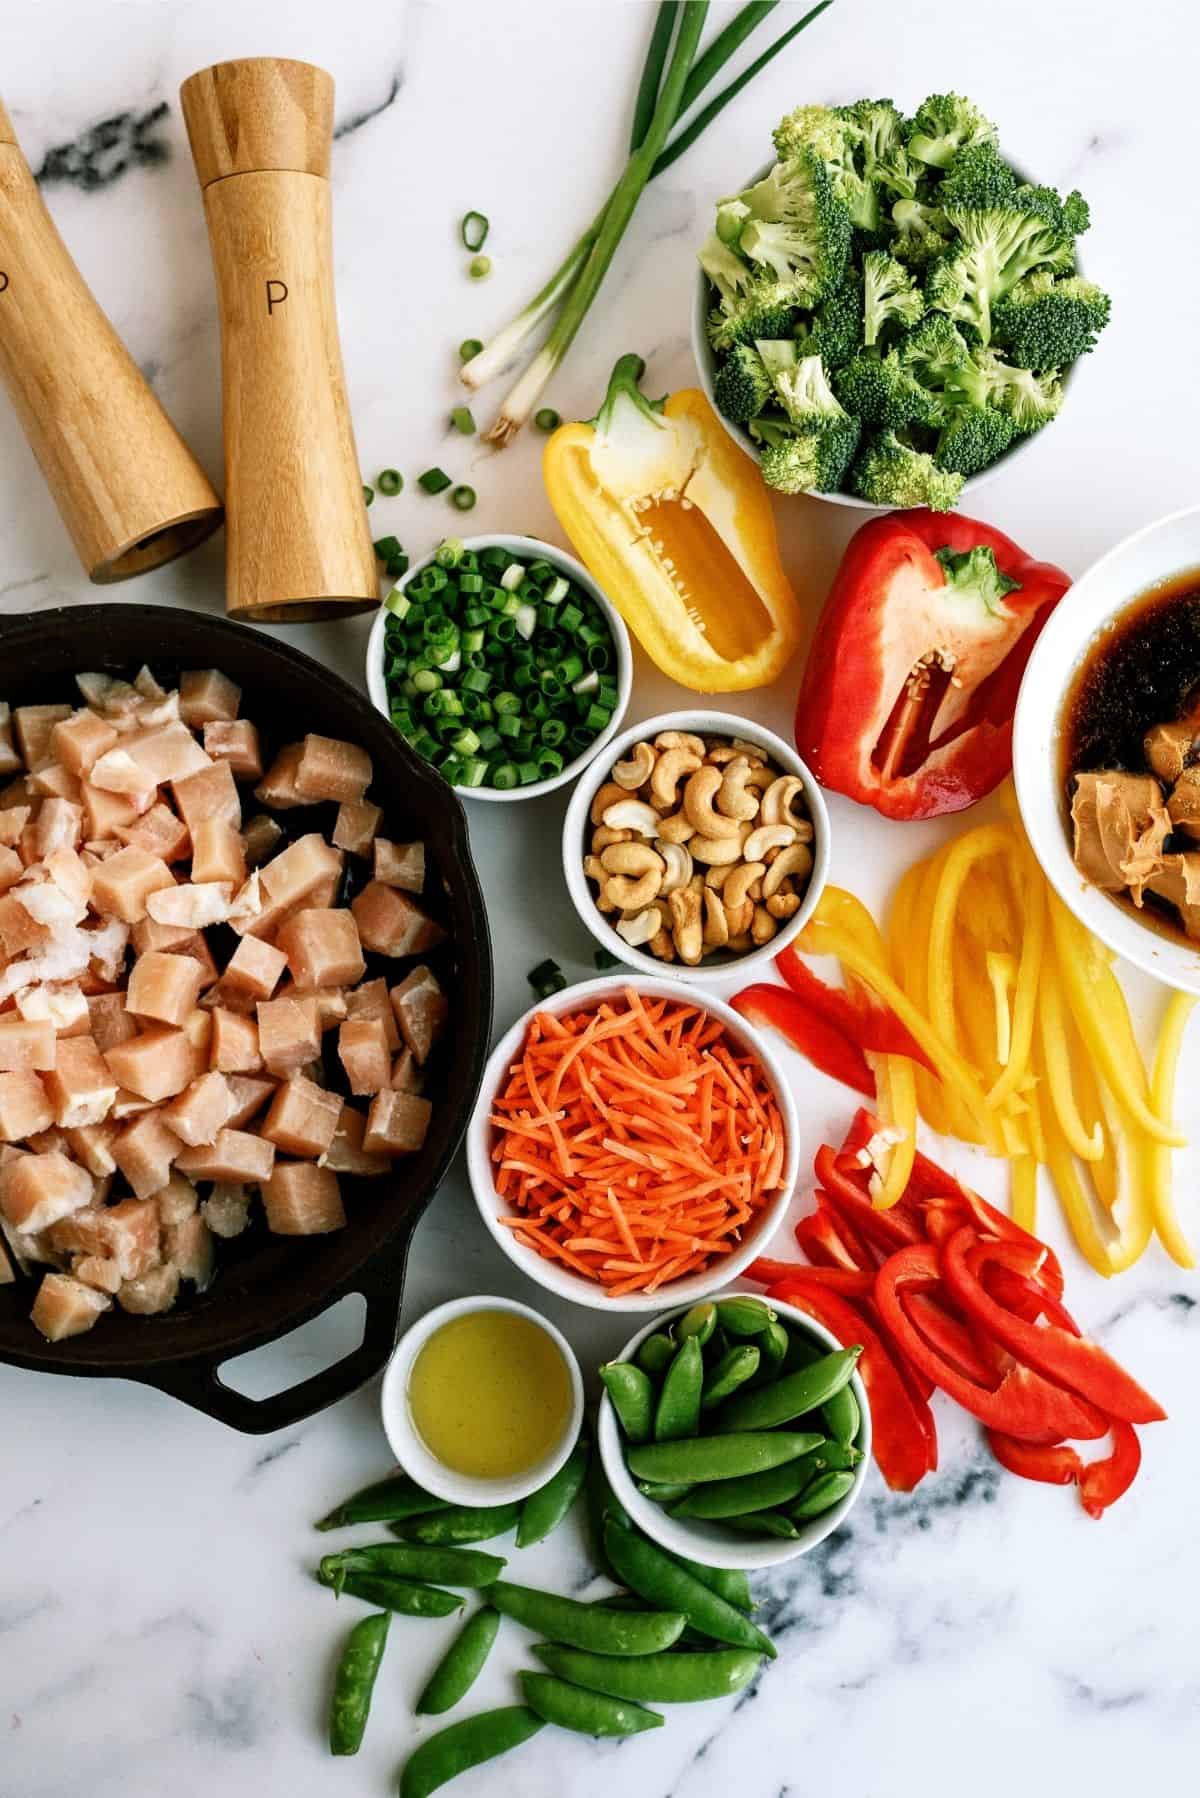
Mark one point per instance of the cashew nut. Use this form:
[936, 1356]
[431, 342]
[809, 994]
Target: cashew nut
[767, 836]
[716, 877]
[716, 925]
[669, 770]
[698, 795]
[662, 946]
[631, 858]
[680, 739]
[632, 814]
[687, 929]
[635, 772]
[764, 926]
[796, 861]
[628, 894]
[679, 867]
[732, 798]
[609, 794]
[593, 868]
[638, 930]
[676, 829]
[780, 798]
[783, 905]
[740, 943]
[741, 747]
[736, 888]
[604, 838]
[715, 852]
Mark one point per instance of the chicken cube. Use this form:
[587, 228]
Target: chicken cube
[234, 1047]
[357, 822]
[97, 1271]
[235, 742]
[10, 761]
[26, 1045]
[188, 1247]
[61, 1004]
[37, 1190]
[302, 1118]
[123, 885]
[260, 839]
[105, 812]
[289, 1034]
[345, 1154]
[370, 1000]
[177, 1200]
[254, 968]
[207, 696]
[196, 949]
[422, 1011]
[59, 825]
[117, 772]
[200, 1110]
[91, 1145]
[302, 1199]
[406, 1074]
[155, 1065]
[363, 1053]
[322, 948]
[81, 1086]
[145, 1152]
[159, 832]
[148, 933]
[79, 741]
[169, 753]
[164, 986]
[396, 1123]
[400, 864]
[235, 1155]
[277, 788]
[53, 781]
[151, 1293]
[226, 1210]
[109, 1020]
[13, 819]
[393, 924]
[19, 930]
[66, 1307]
[11, 868]
[192, 905]
[217, 853]
[34, 729]
[330, 1001]
[7, 1276]
[246, 1096]
[292, 875]
[212, 793]
[330, 768]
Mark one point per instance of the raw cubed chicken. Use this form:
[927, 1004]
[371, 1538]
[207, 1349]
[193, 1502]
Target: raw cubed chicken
[356, 824]
[234, 1045]
[79, 741]
[247, 1097]
[188, 1247]
[226, 1210]
[144, 1151]
[302, 1199]
[396, 1123]
[200, 1110]
[156, 1064]
[422, 1011]
[400, 865]
[407, 1076]
[363, 1053]
[235, 1156]
[81, 1086]
[391, 923]
[289, 1034]
[277, 788]
[254, 968]
[322, 948]
[260, 839]
[302, 1118]
[345, 1154]
[151, 1293]
[211, 793]
[109, 1020]
[164, 986]
[33, 726]
[217, 852]
[159, 832]
[91, 1145]
[37, 1190]
[207, 696]
[10, 761]
[122, 885]
[370, 1000]
[235, 742]
[24, 1107]
[26, 1045]
[332, 769]
[191, 905]
[168, 753]
[66, 1307]
[293, 874]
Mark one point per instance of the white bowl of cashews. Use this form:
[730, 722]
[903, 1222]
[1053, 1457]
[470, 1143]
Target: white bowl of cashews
[696, 844]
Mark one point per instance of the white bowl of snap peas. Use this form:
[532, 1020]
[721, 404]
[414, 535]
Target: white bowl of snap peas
[719, 1543]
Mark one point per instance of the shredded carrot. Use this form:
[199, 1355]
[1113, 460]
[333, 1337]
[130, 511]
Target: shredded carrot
[634, 1142]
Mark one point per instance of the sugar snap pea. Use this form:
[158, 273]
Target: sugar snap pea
[461, 1664]
[458, 1524]
[677, 1413]
[660, 1493]
[461, 1746]
[772, 1345]
[827, 1490]
[588, 1713]
[703, 1458]
[436, 1566]
[802, 1351]
[736, 1366]
[744, 1315]
[597, 1628]
[392, 1594]
[653, 1678]
[648, 1569]
[791, 1395]
[632, 1394]
[830, 1456]
[602, 1503]
[656, 1354]
[763, 1523]
[769, 1491]
[355, 1682]
[544, 1510]
[382, 1502]
[840, 1415]
[699, 1322]
[730, 1582]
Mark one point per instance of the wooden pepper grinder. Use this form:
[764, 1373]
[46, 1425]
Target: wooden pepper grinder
[298, 542]
[130, 491]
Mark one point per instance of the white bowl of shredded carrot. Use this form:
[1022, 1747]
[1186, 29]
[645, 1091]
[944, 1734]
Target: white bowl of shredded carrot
[634, 1144]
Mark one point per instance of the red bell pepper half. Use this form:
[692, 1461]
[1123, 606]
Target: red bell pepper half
[818, 1040]
[908, 696]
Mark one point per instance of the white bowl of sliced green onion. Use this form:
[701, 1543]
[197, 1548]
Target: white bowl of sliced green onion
[501, 662]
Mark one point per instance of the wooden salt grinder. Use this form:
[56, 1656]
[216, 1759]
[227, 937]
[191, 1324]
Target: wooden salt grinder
[298, 545]
[130, 491]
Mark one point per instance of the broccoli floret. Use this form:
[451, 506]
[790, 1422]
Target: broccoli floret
[801, 384]
[1077, 212]
[945, 124]
[999, 246]
[834, 331]
[881, 391]
[836, 139]
[742, 386]
[972, 437]
[803, 458]
[879, 131]
[1030, 400]
[921, 232]
[889, 292]
[892, 473]
[752, 305]
[1049, 323]
[980, 177]
[933, 349]
[797, 229]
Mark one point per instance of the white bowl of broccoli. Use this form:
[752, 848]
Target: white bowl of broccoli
[891, 310]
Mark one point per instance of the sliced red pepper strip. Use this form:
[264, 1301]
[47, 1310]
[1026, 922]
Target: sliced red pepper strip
[1003, 1268]
[942, 1199]
[1101, 1483]
[859, 1014]
[891, 1229]
[849, 1283]
[767, 1271]
[951, 1338]
[1052, 1463]
[1024, 1404]
[904, 1436]
[1073, 1361]
[829, 1241]
[778, 1008]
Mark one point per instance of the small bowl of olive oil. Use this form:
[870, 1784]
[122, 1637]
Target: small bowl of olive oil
[482, 1401]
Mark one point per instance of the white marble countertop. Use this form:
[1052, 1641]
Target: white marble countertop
[157, 1630]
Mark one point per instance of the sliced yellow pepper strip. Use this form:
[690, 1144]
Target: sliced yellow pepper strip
[1132, 1209]
[1056, 1058]
[1162, 1093]
[1002, 975]
[1074, 1200]
[1024, 1007]
[987, 839]
[1025, 1192]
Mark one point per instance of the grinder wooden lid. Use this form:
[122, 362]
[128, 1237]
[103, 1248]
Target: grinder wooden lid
[263, 112]
[7, 134]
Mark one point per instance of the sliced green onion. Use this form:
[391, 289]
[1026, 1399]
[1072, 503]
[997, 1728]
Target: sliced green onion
[556, 592]
[462, 421]
[388, 547]
[469, 347]
[465, 741]
[397, 603]
[526, 621]
[505, 776]
[604, 958]
[474, 229]
[434, 480]
[426, 680]
[587, 683]
[512, 577]
[463, 498]
[450, 552]
[474, 772]
[547, 978]
[368, 494]
[390, 482]
[528, 772]
[479, 268]
[547, 419]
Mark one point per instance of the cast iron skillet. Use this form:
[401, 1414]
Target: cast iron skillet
[267, 1285]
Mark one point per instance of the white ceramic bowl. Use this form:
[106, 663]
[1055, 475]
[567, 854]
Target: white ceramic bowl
[577, 829]
[561, 1280]
[707, 1542]
[529, 549]
[1148, 559]
[410, 1450]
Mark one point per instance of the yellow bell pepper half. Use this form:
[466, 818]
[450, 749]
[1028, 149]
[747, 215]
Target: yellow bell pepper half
[674, 522]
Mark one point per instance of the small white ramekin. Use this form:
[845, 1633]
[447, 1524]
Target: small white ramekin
[577, 833]
[410, 1450]
[561, 1280]
[529, 549]
[694, 1537]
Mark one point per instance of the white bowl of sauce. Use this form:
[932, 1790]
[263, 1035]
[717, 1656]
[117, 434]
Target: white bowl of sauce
[482, 1401]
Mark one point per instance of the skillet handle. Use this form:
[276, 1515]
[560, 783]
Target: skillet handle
[198, 1383]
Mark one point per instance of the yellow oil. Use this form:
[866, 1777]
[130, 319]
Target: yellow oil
[489, 1394]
